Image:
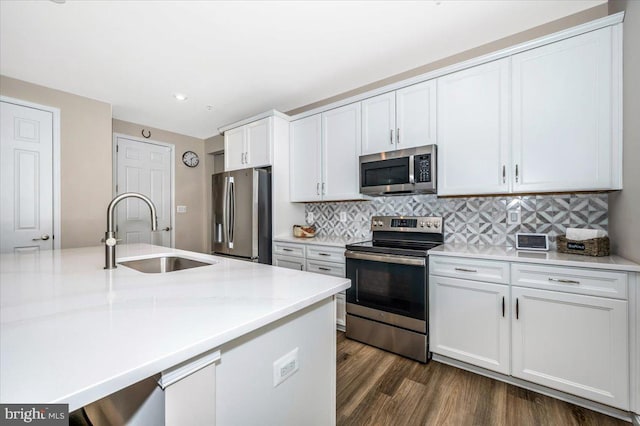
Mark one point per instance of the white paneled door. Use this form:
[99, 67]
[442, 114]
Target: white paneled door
[143, 167]
[26, 178]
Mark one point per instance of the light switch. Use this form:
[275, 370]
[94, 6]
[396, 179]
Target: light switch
[182, 209]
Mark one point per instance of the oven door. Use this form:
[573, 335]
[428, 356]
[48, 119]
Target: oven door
[388, 288]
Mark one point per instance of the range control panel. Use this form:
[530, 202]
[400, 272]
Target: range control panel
[429, 224]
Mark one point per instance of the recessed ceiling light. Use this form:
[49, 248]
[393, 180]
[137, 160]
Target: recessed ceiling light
[59, 1]
[180, 96]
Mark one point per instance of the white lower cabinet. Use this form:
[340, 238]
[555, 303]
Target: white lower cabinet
[574, 343]
[320, 259]
[470, 321]
[566, 328]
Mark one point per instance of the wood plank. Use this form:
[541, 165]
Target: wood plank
[375, 387]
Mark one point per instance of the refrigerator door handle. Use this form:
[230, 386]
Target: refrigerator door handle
[232, 210]
[225, 211]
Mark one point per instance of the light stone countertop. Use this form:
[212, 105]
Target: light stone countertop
[318, 240]
[72, 332]
[510, 254]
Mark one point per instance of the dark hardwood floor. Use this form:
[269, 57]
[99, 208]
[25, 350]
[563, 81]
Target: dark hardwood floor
[375, 387]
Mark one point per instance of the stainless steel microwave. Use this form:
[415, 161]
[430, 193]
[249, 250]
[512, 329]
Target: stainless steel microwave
[406, 171]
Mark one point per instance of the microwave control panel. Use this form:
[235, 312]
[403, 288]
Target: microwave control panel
[422, 167]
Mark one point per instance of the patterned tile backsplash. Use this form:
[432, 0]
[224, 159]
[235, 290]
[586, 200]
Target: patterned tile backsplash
[477, 220]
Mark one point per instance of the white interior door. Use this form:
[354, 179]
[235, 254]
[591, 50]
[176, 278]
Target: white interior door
[26, 178]
[143, 167]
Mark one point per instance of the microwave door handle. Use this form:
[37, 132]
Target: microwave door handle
[412, 177]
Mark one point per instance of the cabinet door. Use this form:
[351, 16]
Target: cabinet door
[378, 123]
[416, 115]
[340, 150]
[234, 149]
[562, 109]
[574, 343]
[469, 321]
[258, 143]
[473, 130]
[305, 180]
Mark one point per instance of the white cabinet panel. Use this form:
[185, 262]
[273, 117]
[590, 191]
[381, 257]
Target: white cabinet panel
[469, 321]
[562, 115]
[416, 115]
[305, 160]
[340, 150]
[473, 130]
[378, 123]
[234, 149]
[574, 343]
[249, 145]
[258, 151]
[341, 310]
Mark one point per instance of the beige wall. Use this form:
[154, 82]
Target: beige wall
[624, 206]
[85, 156]
[190, 227]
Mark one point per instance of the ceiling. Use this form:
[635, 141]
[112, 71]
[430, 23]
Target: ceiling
[235, 59]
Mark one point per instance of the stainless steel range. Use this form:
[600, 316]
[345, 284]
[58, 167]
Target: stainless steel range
[387, 304]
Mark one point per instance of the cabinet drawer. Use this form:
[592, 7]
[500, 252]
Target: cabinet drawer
[326, 254]
[288, 262]
[326, 268]
[288, 249]
[470, 269]
[592, 282]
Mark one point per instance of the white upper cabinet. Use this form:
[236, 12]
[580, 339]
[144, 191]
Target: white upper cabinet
[563, 109]
[340, 150]
[324, 155]
[249, 145]
[564, 137]
[401, 119]
[473, 130]
[378, 123]
[305, 159]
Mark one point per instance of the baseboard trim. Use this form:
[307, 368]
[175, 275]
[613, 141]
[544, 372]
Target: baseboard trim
[591, 405]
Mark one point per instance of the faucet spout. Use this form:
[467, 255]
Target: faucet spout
[110, 235]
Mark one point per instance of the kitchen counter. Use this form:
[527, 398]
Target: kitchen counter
[616, 263]
[72, 332]
[318, 240]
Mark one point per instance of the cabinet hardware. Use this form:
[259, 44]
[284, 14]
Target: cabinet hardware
[502, 306]
[504, 174]
[516, 173]
[398, 135]
[318, 188]
[517, 309]
[323, 191]
[391, 136]
[558, 280]
[324, 269]
[287, 249]
[324, 254]
[465, 270]
[301, 267]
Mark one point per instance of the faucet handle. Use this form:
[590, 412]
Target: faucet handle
[117, 240]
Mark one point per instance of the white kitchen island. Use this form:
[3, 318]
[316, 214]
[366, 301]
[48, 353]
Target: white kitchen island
[72, 332]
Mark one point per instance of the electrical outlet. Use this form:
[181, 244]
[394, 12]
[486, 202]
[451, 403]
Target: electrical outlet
[343, 216]
[310, 218]
[513, 217]
[285, 367]
[181, 209]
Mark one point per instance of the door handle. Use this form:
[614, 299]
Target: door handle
[517, 309]
[502, 306]
[43, 237]
[168, 228]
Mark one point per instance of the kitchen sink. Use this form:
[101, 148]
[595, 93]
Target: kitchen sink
[162, 264]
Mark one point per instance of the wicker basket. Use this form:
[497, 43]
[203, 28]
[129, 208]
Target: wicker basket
[592, 247]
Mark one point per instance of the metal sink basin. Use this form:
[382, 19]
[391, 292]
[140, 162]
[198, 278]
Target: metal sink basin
[163, 264]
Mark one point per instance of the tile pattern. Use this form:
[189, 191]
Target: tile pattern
[476, 220]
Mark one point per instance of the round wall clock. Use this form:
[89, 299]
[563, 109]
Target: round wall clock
[190, 159]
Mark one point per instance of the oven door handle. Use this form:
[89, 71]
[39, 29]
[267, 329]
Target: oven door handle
[386, 258]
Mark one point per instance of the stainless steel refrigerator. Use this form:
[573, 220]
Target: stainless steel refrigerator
[241, 219]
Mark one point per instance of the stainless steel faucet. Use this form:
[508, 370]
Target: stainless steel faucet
[110, 235]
